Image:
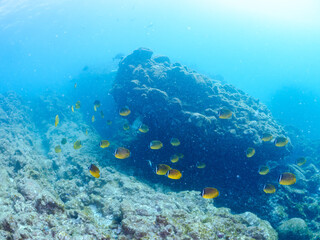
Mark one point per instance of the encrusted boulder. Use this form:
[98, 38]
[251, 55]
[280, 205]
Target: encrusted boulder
[175, 101]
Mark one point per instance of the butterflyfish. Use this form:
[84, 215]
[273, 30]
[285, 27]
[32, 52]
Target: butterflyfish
[77, 145]
[162, 169]
[209, 193]
[104, 143]
[175, 142]
[225, 114]
[174, 174]
[281, 141]
[94, 171]
[122, 153]
[250, 152]
[125, 111]
[57, 149]
[287, 179]
[269, 188]
[155, 144]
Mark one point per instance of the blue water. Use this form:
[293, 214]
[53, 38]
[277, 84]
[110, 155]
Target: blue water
[260, 48]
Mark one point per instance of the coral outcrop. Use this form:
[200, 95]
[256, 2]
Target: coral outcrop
[175, 101]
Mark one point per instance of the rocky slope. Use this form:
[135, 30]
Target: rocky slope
[45, 195]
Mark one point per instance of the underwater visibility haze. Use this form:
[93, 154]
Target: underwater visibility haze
[160, 119]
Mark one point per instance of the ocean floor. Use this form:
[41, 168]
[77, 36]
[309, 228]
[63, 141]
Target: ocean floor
[48, 195]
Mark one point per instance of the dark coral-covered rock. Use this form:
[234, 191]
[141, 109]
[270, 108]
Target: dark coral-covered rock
[175, 101]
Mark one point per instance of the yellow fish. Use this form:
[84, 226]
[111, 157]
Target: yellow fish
[143, 128]
[78, 105]
[209, 193]
[56, 121]
[94, 170]
[122, 153]
[250, 152]
[200, 165]
[102, 115]
[156, 144]
[269, 188]
[77, 145]
[86, 131]
[95, 108]
[104, 143]
[174, 158]
[97, 104]
[287, 179]
[57, 149]
[264, 170]
[225, 114]
[109, 122]
[93, 119]
[267, 137]
[72, 109]
[126, 126]
[175, 142]
[125, 111]
[301, 161]
[162, 169]
[75, 85]
[281, 141]
[174, 174]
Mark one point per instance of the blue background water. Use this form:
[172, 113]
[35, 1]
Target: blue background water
[261, 48]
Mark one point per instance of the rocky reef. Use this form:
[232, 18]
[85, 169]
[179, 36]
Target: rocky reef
[175, 101]
[49, 195]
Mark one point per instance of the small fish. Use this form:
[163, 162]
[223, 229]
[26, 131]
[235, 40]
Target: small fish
[86, 132]
[93, 119]
[95, 108]
[162, 169]
[264, 170]
[78, 105]
[174, 174]
[209, 193]
[250, 152]
[63, 141]
[301, 161]
[267, 137]
[287, 179]
[102, 115]
[125, 111]
[225, 114]
[126, 126]
[56, 121]
[104, 143]
[143, 128]
[77, 145]
[122, 153]
[75, 85]
[109, 122]
[174, 158]
[72, 108]
[200, 165]
[281, 141]
[97, 103]
[155, 145]
[94, 170]
[57, 149]
[269, 188]
[175, 142]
